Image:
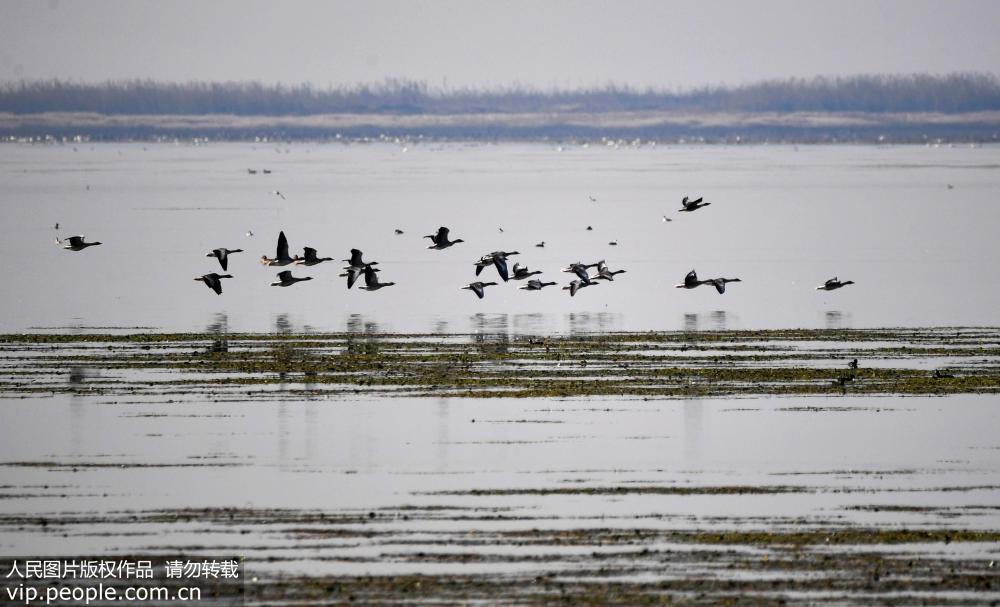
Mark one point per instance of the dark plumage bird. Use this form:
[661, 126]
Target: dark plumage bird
[720, 283]
[222, 254]
[521, 272]
[285, 279]
[440, 239]
[603, 273]
[281, 257]
[76, 243]
[353, 273]
[576, 285]
[541, 245]
[310, 258]
[357, 261]
[498, 259]
[479, 288]
[213, 281]
[580, 269]
[398, 231]
[691, 281]
[692, 205]
[536, 285]
[371, 280]
[834, 284]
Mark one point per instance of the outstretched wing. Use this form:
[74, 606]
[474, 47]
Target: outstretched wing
[310, 253]
[691, 280]
[501, 265]
[285, 275]
[356, 258]
[371, 280]
[720, 285]
[442, 235]
[477, 288]
[282, 251]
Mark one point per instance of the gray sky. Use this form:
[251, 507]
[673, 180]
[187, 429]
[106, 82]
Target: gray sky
[542, 43]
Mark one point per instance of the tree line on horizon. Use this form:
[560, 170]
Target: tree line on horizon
[950, 93]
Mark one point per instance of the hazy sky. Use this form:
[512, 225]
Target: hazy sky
[543, 43]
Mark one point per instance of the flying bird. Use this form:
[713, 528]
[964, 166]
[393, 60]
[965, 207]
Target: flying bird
[479, 288]
[603, 273]
[285, 279]
[310, 258]
[536, 285]
[576, 285]
[281, 257]
[222, 254]
[834, 284]
[76, 243]
[371, 280]
[692, 205]
[521, 272]
[440, 239]
[214, 281]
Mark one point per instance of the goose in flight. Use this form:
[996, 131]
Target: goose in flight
[285, 279]
[521, 272]
[536, 285]
[479, 287]
[353, 273]
[720, 283]
[310, 258]
[691, 281]
[371, 280]
[281, 257]
[834, 284]
[357, 260]
[498, 259]
[580, 269]
[603, 273]
[692, 205]
[76, 243]
[440, 239]
[576, 285]
[214, 281]
[222, 254]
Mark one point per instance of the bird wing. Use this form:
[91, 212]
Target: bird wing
[477, 288]
[720, 285]
[282, 251]
[501, 265]
[352, 276]
[580, 271]
[574, 287]
[75, 241]
[442, 235]
[356, 258]
[371, 280]
[691, 280]
[310, 253]
[285, 275]
[212, 280]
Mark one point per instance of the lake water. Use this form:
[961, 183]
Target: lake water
[913, 226]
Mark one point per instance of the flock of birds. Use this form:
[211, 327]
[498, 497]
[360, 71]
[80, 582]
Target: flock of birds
[356, 266]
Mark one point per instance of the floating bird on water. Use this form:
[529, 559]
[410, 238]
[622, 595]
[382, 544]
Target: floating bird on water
[834, 284]
[603, 273]
[853, 364]
[536, 285]
[213, 281]
[398, 231]
[479, 288]
[57, 225]
[666, 219]
[310, 258]
[541, 245]
[590, 228]
[252, 171]
[693, 205]
[285, 279]
[277, 193]
[440, 239]
[592, 199]
[249, 233]
[267, 171]
[222, 254]
[76, 243]
[371, 280]
[500, 228]
[576, 285]
[498, 259]
[521, 272]
[281, 257]
[613, 243]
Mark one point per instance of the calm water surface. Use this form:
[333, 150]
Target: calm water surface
[782, 218]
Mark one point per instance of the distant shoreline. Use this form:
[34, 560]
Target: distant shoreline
[658, 126]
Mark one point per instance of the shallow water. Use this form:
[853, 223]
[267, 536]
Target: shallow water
[782, 218]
